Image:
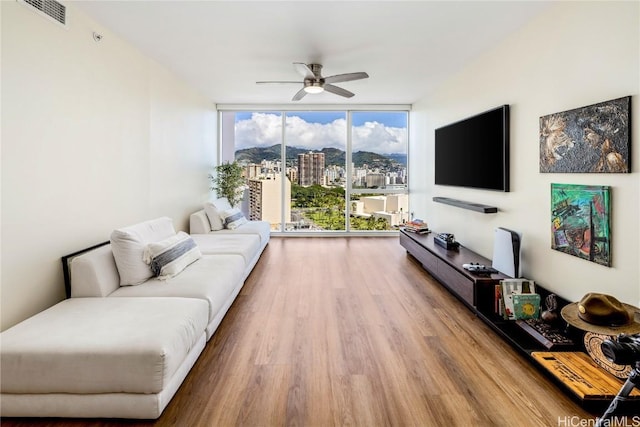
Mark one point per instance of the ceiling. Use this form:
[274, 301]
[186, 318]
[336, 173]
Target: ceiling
[221, 48]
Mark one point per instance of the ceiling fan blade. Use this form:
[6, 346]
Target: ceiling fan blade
[346, 77]
[338, 90]
[275, 82]
[298, 96]
[304, 70]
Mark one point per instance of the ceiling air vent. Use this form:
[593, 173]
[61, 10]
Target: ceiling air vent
[50, 9]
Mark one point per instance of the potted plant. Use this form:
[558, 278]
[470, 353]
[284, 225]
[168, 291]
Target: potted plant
[228, 182]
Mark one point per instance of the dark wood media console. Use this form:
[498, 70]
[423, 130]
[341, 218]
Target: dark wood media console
[446, 266]
[478, 294]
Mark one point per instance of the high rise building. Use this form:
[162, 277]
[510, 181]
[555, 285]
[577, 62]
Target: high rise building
[265, 196]
[271, 165]
[375, 180]
[311, 169]
[252, 171]
[292, 174]
[359, 176]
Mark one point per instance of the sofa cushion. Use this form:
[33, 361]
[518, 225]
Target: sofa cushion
[94, 273]
[128, 245]
[260, 228]
[212, 278]
[101, 345]
[170, 256]
[199, 223]
[213, 210]
[247, 245]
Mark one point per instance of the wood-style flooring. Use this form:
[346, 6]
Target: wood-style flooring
[353, 332]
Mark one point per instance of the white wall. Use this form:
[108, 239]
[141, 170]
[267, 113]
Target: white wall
[94, 136]
[574, 54]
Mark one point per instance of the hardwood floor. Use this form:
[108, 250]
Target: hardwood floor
[353, 332]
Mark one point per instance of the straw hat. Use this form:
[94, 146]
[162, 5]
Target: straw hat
[602, 314]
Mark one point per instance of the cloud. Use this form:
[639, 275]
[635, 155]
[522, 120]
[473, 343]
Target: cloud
[378, 138]
[315, 136]
[261, 130]
[264, 130]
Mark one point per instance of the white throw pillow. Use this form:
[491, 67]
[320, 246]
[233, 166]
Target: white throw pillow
[128, 244]
[214, 216]
[232, 218]
[170, 256]
[214, 209]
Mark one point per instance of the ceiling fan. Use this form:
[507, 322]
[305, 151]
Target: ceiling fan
[314, 82]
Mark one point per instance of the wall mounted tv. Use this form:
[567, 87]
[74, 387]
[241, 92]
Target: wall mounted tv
[474, 152]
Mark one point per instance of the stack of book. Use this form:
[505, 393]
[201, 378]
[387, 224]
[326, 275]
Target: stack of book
[417, 226]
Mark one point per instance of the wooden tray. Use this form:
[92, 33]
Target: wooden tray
[581, 375]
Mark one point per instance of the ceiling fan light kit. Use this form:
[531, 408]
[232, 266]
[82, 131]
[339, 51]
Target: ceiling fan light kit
[313, 87]
[314, 83]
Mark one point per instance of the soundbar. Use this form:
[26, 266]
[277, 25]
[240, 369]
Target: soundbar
[466, 205]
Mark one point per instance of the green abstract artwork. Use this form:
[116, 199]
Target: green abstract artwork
[580, 221]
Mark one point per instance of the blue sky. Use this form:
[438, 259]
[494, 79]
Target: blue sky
[378, 132]
[396, 119]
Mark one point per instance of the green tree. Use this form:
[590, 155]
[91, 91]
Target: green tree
[228, 182]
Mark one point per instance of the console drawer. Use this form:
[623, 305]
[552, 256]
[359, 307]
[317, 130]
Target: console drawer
[426, 258]
[459, 284]
[430, 261]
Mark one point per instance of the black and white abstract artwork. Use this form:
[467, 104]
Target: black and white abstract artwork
[591, 139]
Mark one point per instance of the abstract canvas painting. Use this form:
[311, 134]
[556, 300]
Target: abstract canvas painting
[590, 139]
[580, 221]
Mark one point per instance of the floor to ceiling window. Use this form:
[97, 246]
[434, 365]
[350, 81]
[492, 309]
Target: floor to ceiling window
[321, 171]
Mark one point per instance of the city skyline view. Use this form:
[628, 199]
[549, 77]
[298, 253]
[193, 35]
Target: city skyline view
[300, 159]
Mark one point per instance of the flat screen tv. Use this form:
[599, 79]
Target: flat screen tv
[474, 152]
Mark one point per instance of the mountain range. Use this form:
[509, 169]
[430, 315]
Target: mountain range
[332, 156]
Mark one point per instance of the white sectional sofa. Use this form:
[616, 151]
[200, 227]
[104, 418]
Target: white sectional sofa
[123, 343]
[101, 357]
